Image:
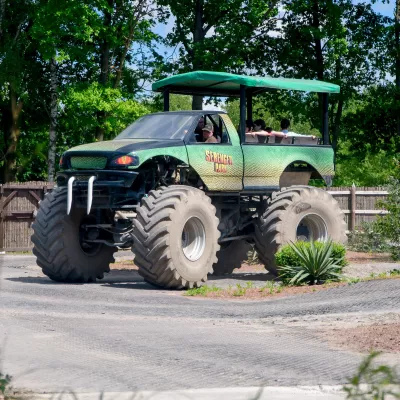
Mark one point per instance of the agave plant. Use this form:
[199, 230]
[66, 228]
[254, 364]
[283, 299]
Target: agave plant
[316, 265]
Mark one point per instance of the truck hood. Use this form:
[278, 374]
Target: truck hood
[123, 146]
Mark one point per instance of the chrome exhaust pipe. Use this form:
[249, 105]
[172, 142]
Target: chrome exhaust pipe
[70, 194]
[90, 193]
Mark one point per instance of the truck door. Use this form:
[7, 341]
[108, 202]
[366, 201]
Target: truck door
[219, 165]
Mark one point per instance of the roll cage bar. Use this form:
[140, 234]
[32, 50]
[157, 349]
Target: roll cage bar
[221, 84]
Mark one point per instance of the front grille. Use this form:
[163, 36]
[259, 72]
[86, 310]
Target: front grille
[88, 162]
[82, 177]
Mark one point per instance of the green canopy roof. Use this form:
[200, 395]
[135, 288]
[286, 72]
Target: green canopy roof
[223, 84]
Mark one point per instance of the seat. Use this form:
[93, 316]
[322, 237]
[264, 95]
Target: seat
[271, 139]
[287, 140]
[262, 139]
[298, 140]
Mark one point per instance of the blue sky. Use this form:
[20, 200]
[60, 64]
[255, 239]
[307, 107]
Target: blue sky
[386, 9]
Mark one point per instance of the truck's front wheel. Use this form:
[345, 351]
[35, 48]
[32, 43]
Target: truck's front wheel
[58, 245]
[175, 237]
[297, 213]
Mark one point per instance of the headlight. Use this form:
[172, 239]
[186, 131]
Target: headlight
[125, 161]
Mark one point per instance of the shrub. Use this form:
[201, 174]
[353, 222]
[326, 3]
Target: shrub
[389, 225]
[368, 239]
[310, 262]
[287, 255]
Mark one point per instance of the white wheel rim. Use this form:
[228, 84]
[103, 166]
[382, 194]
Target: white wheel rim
[312, 227]
[193, 239]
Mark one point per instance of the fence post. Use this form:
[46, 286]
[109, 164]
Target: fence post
[353, 207]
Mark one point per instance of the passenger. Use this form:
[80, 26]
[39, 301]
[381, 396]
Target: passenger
[259, 125]
[208, 134]
[249, 125]
[200, 124]
[261, 130]
[285, 125]
[199, 129]
[251, 136]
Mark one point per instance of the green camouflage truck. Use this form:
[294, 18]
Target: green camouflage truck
[188, 208]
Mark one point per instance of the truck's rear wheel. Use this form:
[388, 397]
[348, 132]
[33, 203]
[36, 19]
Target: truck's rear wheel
[60, 252]
[175, 237]
[231, 256]
[297, 213]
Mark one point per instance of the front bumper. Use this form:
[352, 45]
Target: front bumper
[104, 178]
[100, 189]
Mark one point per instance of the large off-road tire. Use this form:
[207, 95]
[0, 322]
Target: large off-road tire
[297, 213]
[57, 246]
[231, 256]
[175, 237]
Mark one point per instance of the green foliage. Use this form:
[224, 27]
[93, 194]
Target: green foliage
[215, 35]
[382, 381]
[367, 239]
[310, 262]
[369, 125]
[81, 105]
[105, 41]
[366, 169]
[177, 102]
[106, 53]
[389, 225]
[288, 256]
[271, 288]
[240, 290]
[202, 291]
[5, 381]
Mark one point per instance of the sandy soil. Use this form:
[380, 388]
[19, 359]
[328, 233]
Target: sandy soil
[358, 257]
[383, 336]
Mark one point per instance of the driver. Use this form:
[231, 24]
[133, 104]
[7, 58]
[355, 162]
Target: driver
[208, 134]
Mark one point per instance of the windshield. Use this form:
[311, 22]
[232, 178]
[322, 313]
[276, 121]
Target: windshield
[159, 126]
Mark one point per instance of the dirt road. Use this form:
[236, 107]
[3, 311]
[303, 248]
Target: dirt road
[122, 335]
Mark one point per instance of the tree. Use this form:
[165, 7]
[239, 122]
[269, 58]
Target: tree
[397, 47]
[100, 52]
[121, 22]
[215, 35]
[370, 122]
[81, 104]
[18, 64]
[336, 41]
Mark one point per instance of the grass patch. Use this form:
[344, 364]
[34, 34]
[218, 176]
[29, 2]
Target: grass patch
[18, 253]
[273, 288]
[202, 291]
[394, 273]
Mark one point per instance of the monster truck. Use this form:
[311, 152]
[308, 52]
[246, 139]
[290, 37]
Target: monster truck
[187, 208]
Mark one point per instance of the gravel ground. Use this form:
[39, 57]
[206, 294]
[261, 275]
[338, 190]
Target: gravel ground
[121, 334]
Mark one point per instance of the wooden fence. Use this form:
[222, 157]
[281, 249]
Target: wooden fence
[19, 202]
[359, 203]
